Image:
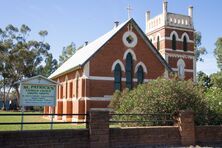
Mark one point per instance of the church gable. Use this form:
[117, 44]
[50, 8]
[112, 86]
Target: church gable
[128, 40]
[82, 56]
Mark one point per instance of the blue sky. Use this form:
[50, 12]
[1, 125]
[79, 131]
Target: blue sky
[85, 20]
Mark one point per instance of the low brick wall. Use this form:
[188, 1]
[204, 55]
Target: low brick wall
[150, 136]
[209, 135]
[45, 139]
[99, 135]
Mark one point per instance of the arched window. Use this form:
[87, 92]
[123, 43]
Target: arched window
[140, 75]
[185, 43]
[158, 43]
[117, 77]
[129, 67]
[174, 42]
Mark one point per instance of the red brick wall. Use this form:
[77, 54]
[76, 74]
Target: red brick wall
[188, 75]
[209, 135]
[179, 45]
[179, 32]
[128, 137]
[97, 104]
[173, 62]
[162, 136]
[45, 139]
[102, 62]
[167, 44]
[99, 88]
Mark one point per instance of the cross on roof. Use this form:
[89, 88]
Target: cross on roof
[129, 9]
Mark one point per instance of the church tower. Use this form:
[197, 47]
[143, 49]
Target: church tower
[173, 36]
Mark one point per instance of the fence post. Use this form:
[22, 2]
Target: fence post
[99, 127]
[186, 125]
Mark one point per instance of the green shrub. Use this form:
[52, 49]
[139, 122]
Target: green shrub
[214, 101]
[160, 96]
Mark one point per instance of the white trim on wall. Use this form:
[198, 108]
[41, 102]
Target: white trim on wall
[180, 56]
[101, 78]
[186, 70]
[131, 52]
[120, 63]
[99, 98]
[134, 41]
[140, 64]
[86, 70]
[162, 38]
[187, 36]
[177, 50]
[181, 29]
[174, 33]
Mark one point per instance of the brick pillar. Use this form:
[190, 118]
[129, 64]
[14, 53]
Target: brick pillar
[99, 127]
[186, 127]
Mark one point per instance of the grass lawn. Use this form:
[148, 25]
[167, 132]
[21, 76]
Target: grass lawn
[32, 119]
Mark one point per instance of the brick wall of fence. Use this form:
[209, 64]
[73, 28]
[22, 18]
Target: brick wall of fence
[40, 139]
[209, 135]
[98, 134]
[127, 137]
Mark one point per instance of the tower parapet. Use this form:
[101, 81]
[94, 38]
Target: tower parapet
[169, 19]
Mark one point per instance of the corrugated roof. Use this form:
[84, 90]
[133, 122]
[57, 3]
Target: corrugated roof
[83, 54]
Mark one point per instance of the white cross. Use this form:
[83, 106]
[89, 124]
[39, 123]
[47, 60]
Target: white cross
[129, 9]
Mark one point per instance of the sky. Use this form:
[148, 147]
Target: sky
[85, 20]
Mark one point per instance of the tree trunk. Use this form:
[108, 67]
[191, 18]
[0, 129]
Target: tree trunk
[7, 96]
[18, 96]
[4, 97]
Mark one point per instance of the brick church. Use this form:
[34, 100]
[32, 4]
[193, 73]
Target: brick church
[123, 58]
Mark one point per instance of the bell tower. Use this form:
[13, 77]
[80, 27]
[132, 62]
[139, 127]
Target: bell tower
[173, 36]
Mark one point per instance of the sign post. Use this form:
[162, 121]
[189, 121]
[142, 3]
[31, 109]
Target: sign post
[22, 118]
[52, 116]
[37, 91]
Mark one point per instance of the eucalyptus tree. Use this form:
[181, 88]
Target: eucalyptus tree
[67, 52]
[218, 52]
[199, 50]
[21, 57]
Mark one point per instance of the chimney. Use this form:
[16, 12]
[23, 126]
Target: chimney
[165, 7]
[116, 24]
[147, 16]
[190, 11]
[86, 43]
[147, 20]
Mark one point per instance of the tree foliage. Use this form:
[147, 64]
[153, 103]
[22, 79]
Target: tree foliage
[204, 80]
[21, 57]
[50, 66]
[161, 96]
[218, 52]
[67, 52]
[214, 101]
[216, 79]
[197, 46]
